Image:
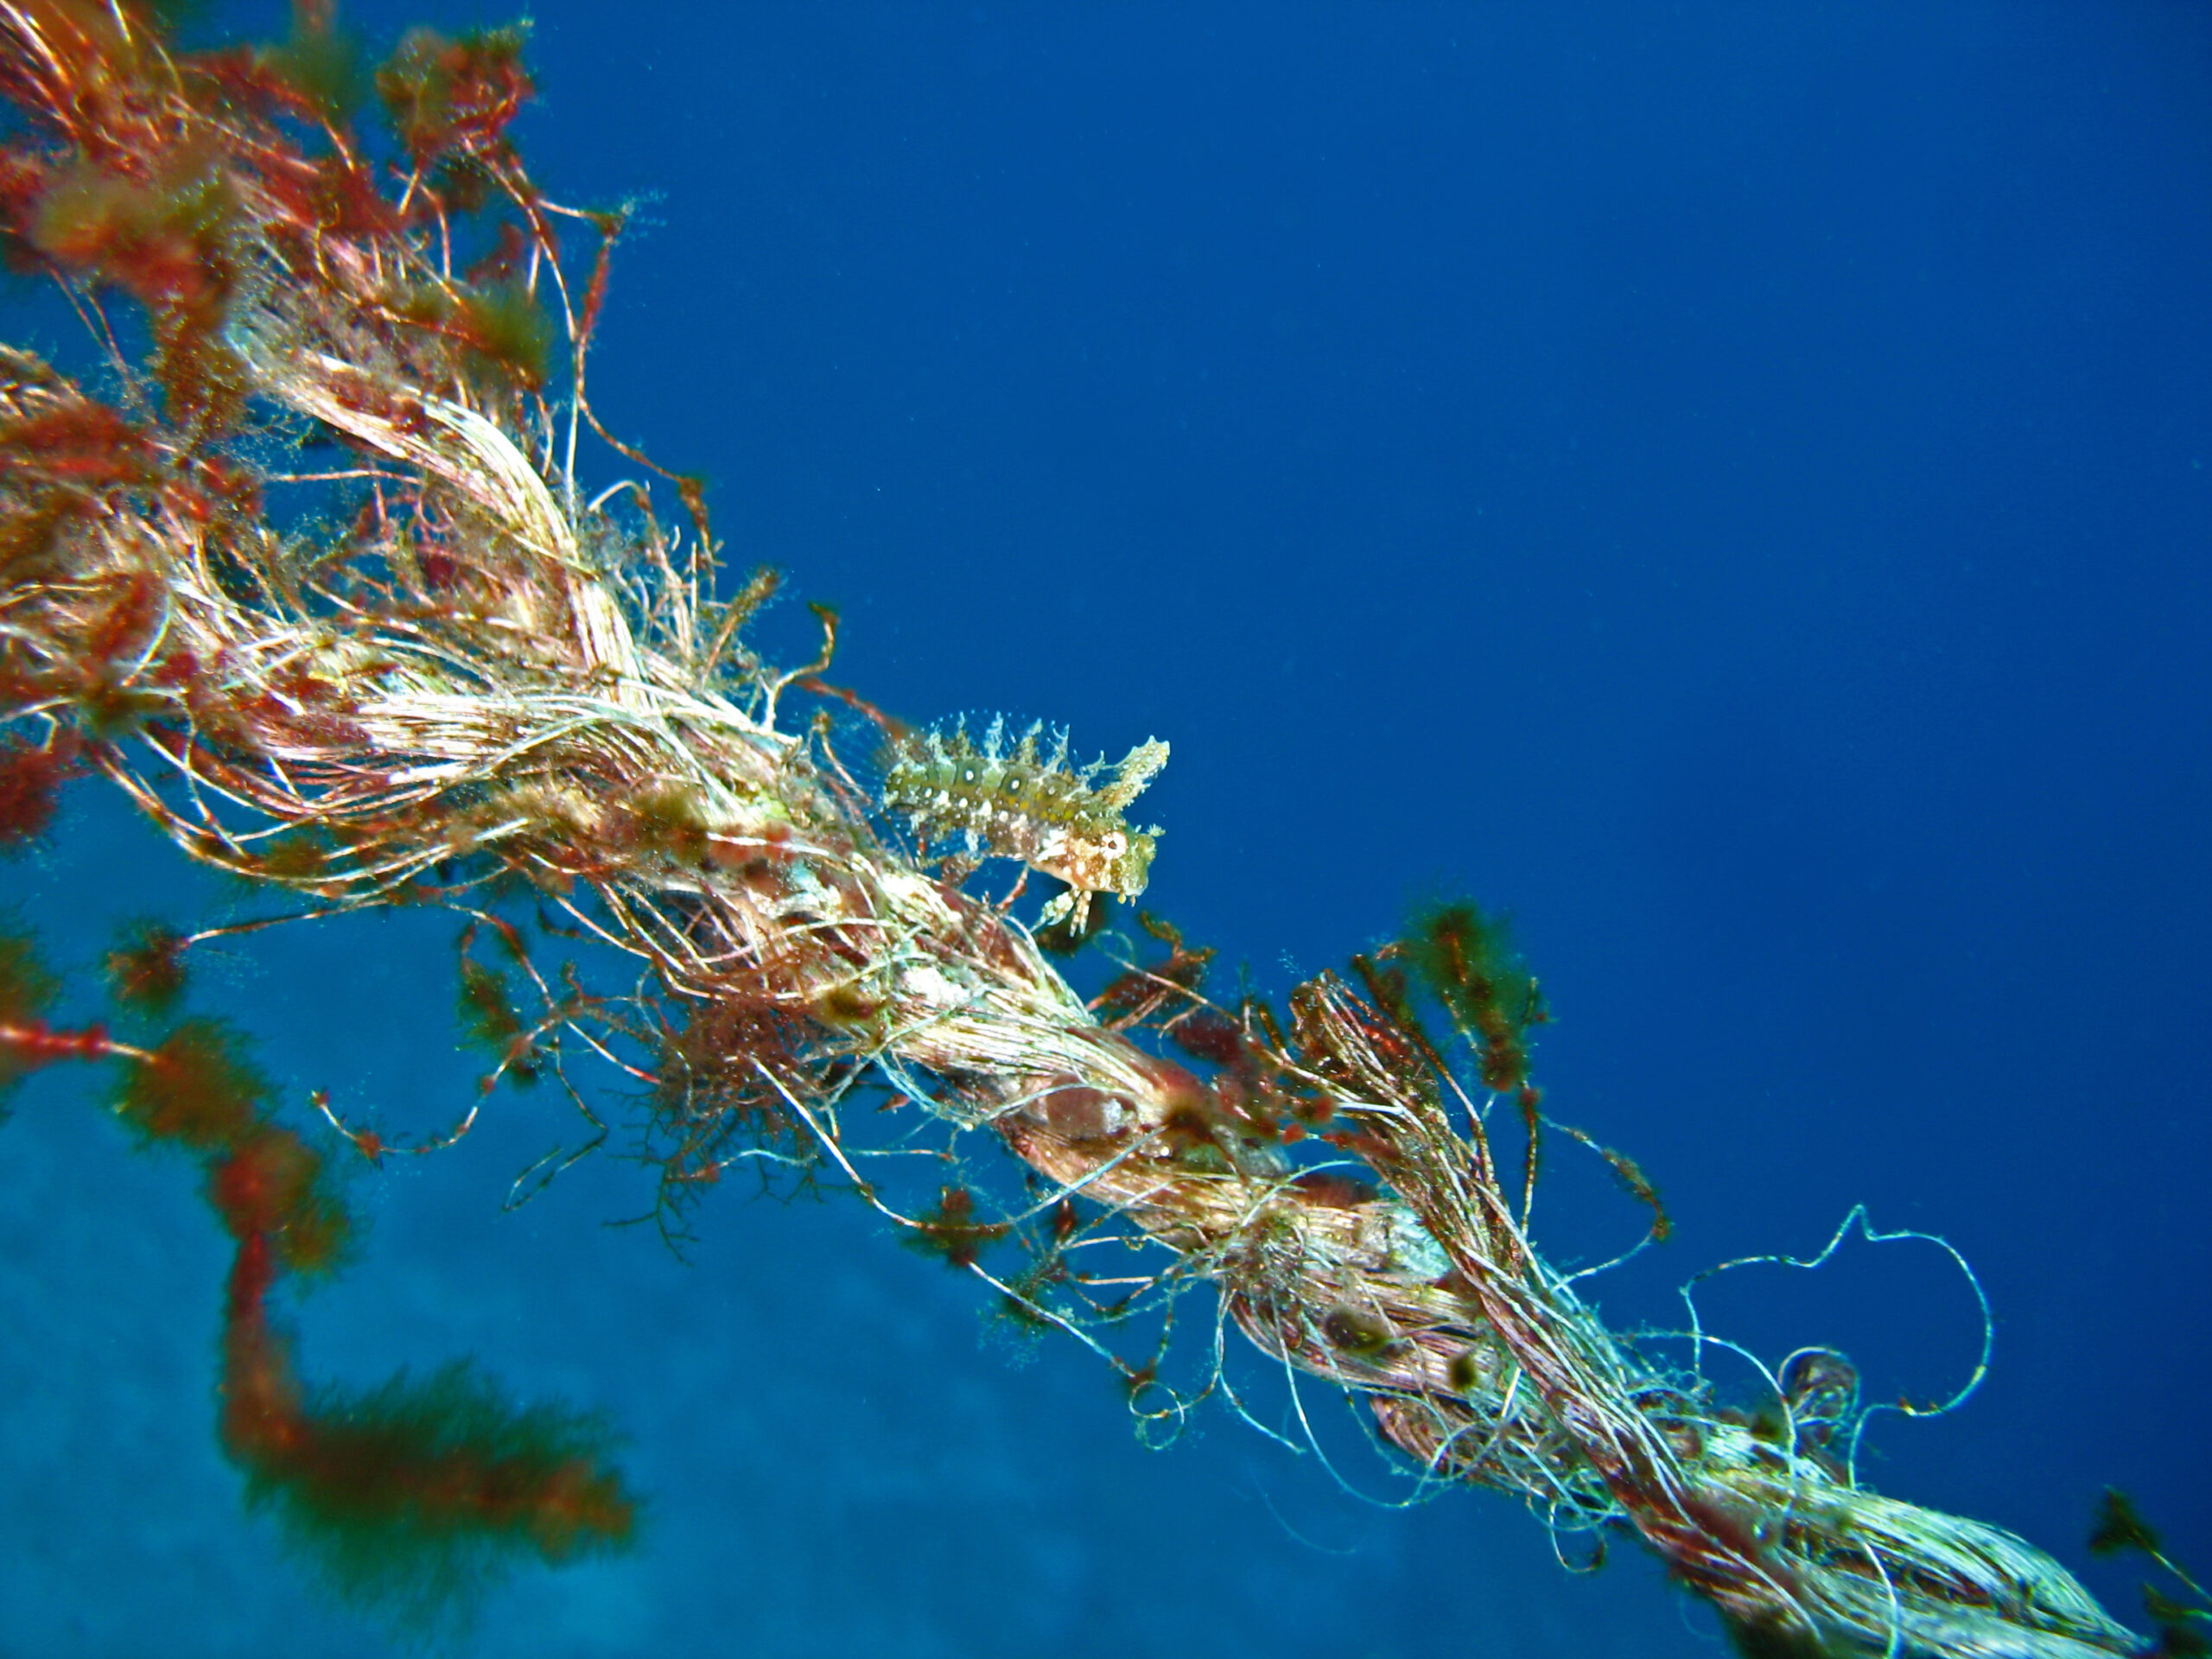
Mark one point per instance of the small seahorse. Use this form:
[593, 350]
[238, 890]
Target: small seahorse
[1011, 801]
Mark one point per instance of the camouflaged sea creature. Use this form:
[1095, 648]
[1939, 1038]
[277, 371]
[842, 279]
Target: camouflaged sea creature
[1009, 800]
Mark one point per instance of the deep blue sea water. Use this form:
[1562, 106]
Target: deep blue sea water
[1727, 483]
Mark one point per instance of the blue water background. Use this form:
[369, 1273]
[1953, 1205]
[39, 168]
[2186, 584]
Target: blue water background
[1727, 483]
